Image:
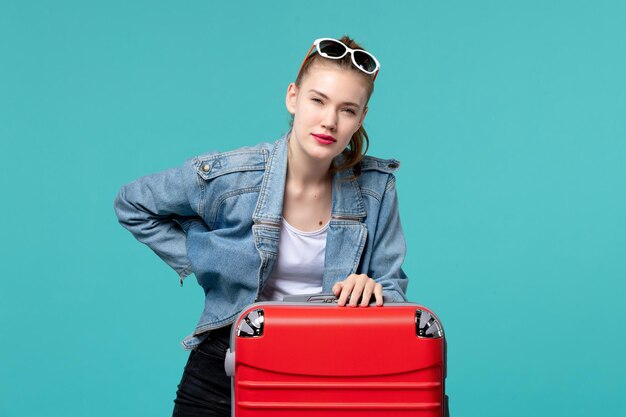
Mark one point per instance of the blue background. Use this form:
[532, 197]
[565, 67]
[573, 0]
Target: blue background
[509, 120]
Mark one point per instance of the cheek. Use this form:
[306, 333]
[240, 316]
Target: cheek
[306, 113]
[351, 123]
[345, 141]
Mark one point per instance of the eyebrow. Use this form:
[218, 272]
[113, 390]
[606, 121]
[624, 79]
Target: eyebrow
[349, 103]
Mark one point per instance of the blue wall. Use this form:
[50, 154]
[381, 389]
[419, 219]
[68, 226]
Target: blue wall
[509, 120]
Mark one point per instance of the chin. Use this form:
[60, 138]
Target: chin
[322, 154]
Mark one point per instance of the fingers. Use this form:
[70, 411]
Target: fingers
[357, 290]
[378, 292]
[346, 290]
[358, 287]
[367, 293]
[337, 288]
[372, 287]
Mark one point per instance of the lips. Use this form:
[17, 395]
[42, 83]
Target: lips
[324, 139]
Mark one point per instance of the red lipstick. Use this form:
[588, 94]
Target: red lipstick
[324, 139]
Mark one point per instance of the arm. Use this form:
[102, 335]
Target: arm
[389, 248]
[388, 253]
[154, 207]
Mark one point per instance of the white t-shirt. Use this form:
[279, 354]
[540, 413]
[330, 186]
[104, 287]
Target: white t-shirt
[300, 263]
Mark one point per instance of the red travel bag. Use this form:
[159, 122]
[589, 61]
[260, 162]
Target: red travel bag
[314, 358]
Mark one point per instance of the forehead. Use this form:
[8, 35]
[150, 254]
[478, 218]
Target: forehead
[335, 82]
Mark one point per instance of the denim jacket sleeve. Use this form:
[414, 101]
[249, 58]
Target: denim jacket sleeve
[154, 208]
[389, 249]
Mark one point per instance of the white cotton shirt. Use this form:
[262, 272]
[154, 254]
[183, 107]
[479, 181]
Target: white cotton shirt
[300, 263]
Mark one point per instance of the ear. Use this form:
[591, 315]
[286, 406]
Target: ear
[290, 98]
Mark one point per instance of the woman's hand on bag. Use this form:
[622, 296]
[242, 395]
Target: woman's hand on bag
[358, 286]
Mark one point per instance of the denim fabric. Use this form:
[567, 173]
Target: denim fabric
[218, 216]
[205, 389]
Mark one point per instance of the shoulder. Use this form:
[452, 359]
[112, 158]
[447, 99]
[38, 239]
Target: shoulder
[377, 175]
[372, 163]
[247, 158]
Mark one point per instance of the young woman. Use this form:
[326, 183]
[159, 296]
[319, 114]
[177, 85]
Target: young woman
[308, 213]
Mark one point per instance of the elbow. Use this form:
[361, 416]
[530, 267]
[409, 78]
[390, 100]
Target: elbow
[121, 205]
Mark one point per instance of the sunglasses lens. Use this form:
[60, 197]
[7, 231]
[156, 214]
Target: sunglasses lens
[332, 49]
[365, 61]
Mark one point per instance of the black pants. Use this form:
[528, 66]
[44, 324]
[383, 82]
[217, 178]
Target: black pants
[204, 389]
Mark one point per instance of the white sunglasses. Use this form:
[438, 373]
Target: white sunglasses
[334, 49]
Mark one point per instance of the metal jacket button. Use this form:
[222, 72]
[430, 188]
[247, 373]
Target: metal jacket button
[206, 167]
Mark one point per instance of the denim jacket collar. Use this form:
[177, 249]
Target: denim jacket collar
[269, 207]
[347, 201]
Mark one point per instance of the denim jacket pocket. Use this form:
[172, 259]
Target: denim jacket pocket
[213, 165]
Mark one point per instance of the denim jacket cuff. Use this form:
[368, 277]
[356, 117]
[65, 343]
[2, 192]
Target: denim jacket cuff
[184, 273]
[396, 296]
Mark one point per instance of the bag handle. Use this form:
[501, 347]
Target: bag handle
[325, 299]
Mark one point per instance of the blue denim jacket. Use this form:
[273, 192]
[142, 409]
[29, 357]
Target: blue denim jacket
[218, 216]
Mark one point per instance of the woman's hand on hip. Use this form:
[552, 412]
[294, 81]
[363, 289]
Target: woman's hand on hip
[358, 286]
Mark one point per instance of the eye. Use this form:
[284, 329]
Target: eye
[317, 100]
[349, 110]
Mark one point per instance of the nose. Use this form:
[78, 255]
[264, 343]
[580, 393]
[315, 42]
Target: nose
[329, 120]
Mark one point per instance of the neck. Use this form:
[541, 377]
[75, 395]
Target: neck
[304, 170]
